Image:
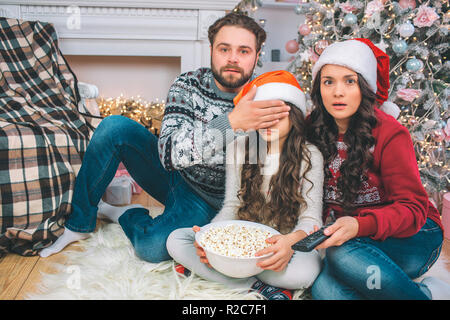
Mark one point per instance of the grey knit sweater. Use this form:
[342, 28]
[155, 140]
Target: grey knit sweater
[194, 132]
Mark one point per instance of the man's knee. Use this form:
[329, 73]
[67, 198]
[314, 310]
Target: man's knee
[152, 248]
[115, 125]
[112, 122]
[115, 131]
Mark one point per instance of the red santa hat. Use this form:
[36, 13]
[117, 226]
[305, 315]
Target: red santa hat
[363, 57]
[276, 85]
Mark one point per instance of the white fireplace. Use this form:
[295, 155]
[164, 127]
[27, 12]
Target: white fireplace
[174, 32]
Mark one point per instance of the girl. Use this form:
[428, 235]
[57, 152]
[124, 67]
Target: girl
[284, 191]
[386, 230]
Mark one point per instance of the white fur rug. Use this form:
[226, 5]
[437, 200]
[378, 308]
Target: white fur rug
[107, 268]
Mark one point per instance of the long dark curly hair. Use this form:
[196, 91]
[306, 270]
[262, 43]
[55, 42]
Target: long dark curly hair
[282, 209]
[323, 132]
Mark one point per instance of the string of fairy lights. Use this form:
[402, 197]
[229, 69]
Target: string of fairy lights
[149, 114]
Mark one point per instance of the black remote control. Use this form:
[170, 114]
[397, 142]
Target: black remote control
[313, 240]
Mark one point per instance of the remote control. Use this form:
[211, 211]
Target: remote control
[313, 240]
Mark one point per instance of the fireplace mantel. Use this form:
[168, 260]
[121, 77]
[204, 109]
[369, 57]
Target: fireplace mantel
[172, 28]
[220, 5]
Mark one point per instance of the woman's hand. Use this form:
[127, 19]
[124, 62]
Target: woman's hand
[342, 230]
[200, 252]
[281, 249]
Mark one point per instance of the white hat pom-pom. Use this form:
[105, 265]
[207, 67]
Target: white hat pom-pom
[390, 108]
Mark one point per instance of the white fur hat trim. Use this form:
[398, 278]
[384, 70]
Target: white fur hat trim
[352, 54]
[282, 91]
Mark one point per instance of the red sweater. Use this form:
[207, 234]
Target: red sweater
[393, 201]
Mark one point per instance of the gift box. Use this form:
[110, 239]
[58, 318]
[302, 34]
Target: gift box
[121, 188]
[119, 191]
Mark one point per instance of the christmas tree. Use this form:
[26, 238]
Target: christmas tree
[414, 33]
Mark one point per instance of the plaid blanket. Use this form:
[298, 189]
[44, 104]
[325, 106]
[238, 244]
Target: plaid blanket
[43, 136]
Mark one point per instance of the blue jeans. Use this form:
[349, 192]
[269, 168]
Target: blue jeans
[363, 268]
[120, 139]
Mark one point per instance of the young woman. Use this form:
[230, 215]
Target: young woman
[386, 230]
[284, 190]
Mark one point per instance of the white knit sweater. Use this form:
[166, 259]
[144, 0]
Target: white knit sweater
[307, 219]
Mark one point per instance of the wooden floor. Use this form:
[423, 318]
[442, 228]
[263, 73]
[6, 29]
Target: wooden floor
[21, 275]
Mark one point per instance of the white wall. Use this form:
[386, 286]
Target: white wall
[281, 26]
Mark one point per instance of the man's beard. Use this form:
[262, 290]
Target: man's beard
[231, 83]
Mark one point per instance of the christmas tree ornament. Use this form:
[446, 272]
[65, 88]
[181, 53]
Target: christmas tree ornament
[291, 46]
[408, 94]
[405, 109]
[305, 56]
[406, 29]
[313, 57]
[438, 135]
[414, 65]
[425, 16]
[373, 7]
[347, 7]
[304, 29]
[374, 21]
[404, 4]
[400, 46]
[350, 19]
[320, 46]
[298, 10]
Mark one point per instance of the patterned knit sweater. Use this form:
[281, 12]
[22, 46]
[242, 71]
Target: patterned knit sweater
[194, 133]
[392, 202]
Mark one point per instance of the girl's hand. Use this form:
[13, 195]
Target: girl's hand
[342, 230]
[200, 252]
[282, 253]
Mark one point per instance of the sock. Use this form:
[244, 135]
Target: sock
[105, 211]
[66, 238]
[112, 213]
[270, 292]
[440, 290]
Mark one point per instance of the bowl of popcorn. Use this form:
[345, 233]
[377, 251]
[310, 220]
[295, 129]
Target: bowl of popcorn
[230, 246]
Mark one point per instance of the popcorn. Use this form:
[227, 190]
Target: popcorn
[234, 240]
